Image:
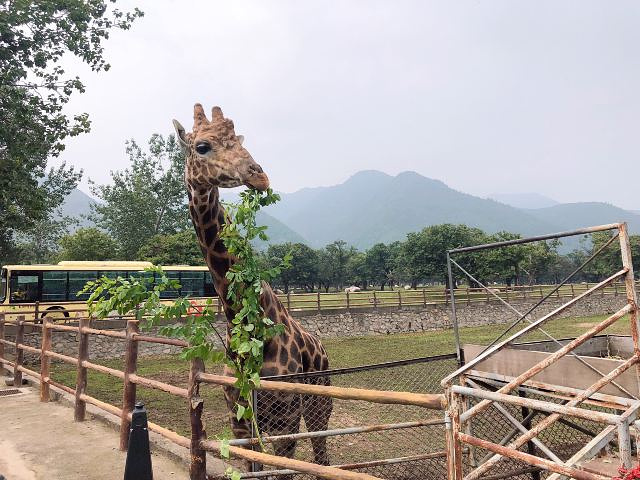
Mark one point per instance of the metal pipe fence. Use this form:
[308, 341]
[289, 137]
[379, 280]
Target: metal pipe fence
[515, 425]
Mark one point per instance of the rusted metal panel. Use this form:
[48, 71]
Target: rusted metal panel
[566, 372]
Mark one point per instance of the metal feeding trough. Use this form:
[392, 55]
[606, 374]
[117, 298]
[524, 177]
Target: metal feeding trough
[605, 353]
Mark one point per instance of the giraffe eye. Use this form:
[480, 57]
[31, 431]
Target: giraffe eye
[203, 147]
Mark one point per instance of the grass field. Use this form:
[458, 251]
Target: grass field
[171, 411]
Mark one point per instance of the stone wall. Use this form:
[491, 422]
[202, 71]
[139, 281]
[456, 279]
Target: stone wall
[352, 323]
[384, 321]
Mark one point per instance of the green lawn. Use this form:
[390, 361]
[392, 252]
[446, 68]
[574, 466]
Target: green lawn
[171, 411]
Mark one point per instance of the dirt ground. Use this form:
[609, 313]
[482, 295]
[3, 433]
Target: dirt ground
[41, 441]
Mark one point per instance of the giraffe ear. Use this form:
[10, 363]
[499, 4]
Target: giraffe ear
[180, 134]
[240, 139]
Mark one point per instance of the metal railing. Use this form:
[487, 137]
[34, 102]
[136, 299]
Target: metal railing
[472, 395]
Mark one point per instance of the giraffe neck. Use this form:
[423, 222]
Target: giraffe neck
[208, 217]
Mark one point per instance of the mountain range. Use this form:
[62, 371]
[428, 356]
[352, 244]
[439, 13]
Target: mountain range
[372, 207]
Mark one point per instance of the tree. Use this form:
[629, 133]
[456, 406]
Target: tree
[42, 241]
[424, 254]
[145, 199]
[303, 271]
[180, 248]
[87, 244]
[357, 271]
[380, 263]
[338, 254]
[34, 90]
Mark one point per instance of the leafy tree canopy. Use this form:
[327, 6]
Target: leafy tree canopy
[34, 89]
[145, 199]
[176, 249]
[87, 244]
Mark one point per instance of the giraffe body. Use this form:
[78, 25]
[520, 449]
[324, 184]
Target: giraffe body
[215, 158]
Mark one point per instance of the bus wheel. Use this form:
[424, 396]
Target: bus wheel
[56, 315]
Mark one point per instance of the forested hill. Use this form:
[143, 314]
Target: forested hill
[372, 207]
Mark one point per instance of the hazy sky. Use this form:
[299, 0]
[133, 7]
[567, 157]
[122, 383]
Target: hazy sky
[487, 96]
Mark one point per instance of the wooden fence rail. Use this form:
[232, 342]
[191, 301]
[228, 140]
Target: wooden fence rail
[368, 299]
[198, 443]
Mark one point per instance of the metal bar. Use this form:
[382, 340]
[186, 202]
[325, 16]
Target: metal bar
[335, 432]
[555, 416]
[632, 296]
[352, 466]
[364, 368]
[530, 459]
[454, 317]
[550, 236]
[532, 326]
[320, 471]
[541, 405]
[533, 384]
[432, 401]
[551, 359]
[543, 448]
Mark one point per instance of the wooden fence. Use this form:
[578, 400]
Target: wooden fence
[198, 444]
[371, 299]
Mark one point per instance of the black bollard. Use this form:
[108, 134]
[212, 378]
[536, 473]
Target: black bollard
[138, 465]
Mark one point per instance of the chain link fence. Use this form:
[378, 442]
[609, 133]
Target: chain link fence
[407, 442]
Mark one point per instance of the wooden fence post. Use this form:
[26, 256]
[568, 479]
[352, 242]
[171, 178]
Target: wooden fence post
[347, 292]
[424, 297]
[375, 299]
[615, 289]
[36, 311]
[399, 299]
[129, 391]
[541, 292]
[2, 369]
[17, 374]
[573, 291]
[468, 297]
[198, 465]
[318, 300]
[45, 360]
[81, 377]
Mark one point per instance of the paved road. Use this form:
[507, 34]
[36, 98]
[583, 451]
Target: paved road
[41, 441]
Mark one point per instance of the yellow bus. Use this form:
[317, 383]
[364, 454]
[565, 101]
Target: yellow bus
[52, 290]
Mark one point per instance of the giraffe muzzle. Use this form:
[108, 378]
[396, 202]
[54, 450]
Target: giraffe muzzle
[256, 178]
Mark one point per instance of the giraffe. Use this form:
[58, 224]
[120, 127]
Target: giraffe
[215, 158]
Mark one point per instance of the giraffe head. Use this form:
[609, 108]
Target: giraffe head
[214, 155]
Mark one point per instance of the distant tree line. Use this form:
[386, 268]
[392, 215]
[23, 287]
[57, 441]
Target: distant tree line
[142, 214]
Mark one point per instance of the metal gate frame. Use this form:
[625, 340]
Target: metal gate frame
[462, 388]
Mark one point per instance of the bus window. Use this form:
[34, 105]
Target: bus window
[192, 283]
[112, 274]
[171, 293]
[77, 280]
[54, 286]
[23, 287]
[209, 289]
[3, 285]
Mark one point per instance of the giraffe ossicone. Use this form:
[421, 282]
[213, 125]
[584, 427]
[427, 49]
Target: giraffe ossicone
[215, 158]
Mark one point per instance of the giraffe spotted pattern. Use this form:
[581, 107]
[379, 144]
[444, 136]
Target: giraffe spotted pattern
[215, 158]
